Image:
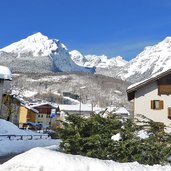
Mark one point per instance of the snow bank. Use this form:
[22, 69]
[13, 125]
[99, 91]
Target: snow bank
[46, 160]
[15, 145]
[8, 147]
[8, 128]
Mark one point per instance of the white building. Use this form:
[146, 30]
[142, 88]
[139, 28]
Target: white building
[152, 97]
[82, 109]
[5, 77]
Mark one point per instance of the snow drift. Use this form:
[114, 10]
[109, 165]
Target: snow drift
[15, 144]
[46, 160]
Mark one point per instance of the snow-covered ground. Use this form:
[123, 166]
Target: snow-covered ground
[8, 147]
[15, 144]
[41, 159]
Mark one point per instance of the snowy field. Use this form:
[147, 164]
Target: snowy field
[44, 159]
[15, 145]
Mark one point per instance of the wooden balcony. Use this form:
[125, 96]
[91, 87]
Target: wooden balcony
[164, 89]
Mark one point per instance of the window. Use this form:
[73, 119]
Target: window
[157, 104]
[47, 116]
[38, 116]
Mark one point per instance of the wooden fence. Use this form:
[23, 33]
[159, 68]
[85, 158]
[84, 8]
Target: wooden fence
[24, 137]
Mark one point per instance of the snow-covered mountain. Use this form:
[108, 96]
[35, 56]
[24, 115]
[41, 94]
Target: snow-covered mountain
[37, 53]
[78, 57]
[40, 49]
[150, 61]
[97, 61]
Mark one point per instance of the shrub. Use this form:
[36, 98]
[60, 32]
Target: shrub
[92, 137]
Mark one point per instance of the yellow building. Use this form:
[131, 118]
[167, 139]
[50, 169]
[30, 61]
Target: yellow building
[27, 114]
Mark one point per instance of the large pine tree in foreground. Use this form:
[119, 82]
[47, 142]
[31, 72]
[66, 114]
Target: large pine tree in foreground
[92, 137]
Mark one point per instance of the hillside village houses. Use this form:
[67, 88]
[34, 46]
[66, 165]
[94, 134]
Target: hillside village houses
[23, 112]
[48, 113]
[86, 109]
[152, 97]
[15, 109]
[18, 111]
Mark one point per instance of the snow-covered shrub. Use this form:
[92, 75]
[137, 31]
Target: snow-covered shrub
[93, 137]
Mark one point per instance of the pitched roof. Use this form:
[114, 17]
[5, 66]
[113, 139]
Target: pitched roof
[30, 108]
[54, 105]
[122, 110]
[132, 88]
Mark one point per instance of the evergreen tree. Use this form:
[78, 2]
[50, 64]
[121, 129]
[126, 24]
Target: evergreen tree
[92, 137]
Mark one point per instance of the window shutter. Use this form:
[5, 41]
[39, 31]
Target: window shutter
[169, 113]
[152, 104]
[161, 104]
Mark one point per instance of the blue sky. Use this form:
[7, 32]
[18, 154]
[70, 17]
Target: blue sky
[111, 27]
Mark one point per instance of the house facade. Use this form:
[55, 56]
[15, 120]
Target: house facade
[26, 114]
[47, 113]
[152, 97]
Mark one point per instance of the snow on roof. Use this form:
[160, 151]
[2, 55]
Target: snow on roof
[110, 108]
[54, 105]
[5, 73]
[29, 107]
[122, 110]
[146, 81]
[49, 159]
[72, 100]
[84, 107]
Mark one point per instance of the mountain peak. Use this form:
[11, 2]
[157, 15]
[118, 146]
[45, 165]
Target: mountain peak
[152, 60]
[75, 53]
[37, 44]
[167, 39]
[40, 48]
[37, 36]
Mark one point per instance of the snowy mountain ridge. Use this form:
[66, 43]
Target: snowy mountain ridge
[152, 60]
[97, 61]
[37, 53]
